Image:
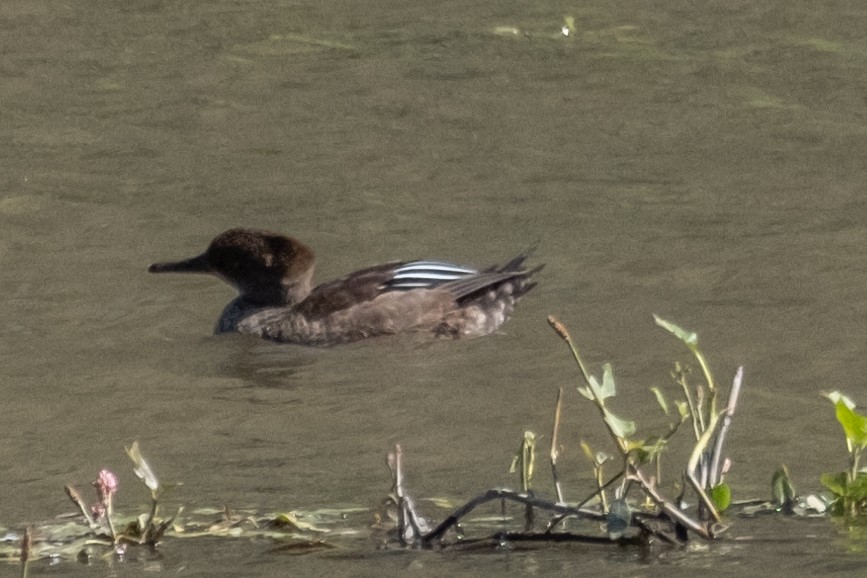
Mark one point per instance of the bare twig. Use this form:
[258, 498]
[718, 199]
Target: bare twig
[715, 474]
[600, 492]
[700, 403]
[706, 502]
[696, 467]
[411, 527]
[670, 509]
[703, 471]
[82, 507]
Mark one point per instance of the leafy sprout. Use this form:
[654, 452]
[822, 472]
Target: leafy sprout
[849, 487]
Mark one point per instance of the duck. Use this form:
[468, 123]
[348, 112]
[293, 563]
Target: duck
[277, 301]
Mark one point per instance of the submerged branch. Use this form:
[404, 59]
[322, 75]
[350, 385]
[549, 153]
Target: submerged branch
[509, 495]
[600, 493]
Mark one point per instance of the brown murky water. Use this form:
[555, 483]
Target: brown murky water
[701, 161]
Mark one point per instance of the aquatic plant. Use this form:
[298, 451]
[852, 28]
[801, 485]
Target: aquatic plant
[624, 519]
[706, 467]
[98, 532]
[146, 529]
[849, 488]
[26, 543]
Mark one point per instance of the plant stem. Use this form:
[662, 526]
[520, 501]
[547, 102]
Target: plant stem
[693, 410]
[149, 523]
[75, 497]
[555, 452]
[561, 330]
[409, 522]
[714, 477]
[26, 545]
[669, 508]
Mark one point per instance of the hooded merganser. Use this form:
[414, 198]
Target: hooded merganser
[273, 275]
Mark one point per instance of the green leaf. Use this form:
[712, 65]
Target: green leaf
[782, 489]
[858, 488]
[682, 409]
[836, 396]
[622, 428]
[640, 455]
[585, 391]
[721, 496]
[646, 450]
[608, 389]
[599, 392]
[652, 446]
[588, 451]
[524, 461]
[836, 483]
[142, 468]
[660, 399]
[688, 337]
[854, 424]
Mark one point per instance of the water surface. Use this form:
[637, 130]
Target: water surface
[702, 162]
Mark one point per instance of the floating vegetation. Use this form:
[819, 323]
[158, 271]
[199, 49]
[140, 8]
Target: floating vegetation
[97, 531]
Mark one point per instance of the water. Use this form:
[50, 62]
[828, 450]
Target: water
[702, 162]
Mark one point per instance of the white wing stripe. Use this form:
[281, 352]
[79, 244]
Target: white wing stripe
[436, 266]
[410, 285]
[428, 275]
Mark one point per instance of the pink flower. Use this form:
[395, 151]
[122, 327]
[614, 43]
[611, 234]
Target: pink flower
[106, 484]
[106, 487]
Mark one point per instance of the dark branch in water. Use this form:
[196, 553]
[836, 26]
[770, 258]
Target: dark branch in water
[508, 495]
[413, 531]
